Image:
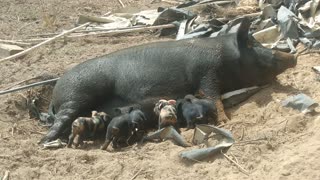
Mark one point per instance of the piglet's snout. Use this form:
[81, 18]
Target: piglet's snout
[168, 111]
[168, 115]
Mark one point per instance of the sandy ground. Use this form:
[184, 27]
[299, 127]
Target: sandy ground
[273, 142]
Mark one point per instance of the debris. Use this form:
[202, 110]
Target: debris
[300, 102]
[167, 133]
[201, 135]
[9, 49]
[40, 44]
[54, 144]
[133, 177]
[28, 86]
[6, 175]
[121, 3]
[267, 37]
[316, 68]
[237, 164]
[232, 98]
[15, 42]
[287, 23]
[84, 19]
[170, 15]
[111, 33]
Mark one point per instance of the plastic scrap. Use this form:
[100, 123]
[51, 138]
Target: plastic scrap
[54, 144]
[233, 98]
[201, 135]
[280, 25]
[316, 68]
[300, 102]
[168, 133]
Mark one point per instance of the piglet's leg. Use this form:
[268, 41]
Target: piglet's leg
[222, 117]
[71, 138]
[105, 144]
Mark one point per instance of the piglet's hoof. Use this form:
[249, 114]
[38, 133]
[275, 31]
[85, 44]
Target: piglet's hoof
[103, 147]
[222, 120]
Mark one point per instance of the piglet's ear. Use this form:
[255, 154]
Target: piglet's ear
[172, 102]
[242, 33]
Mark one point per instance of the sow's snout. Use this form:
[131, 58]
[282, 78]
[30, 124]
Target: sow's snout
[285, 60]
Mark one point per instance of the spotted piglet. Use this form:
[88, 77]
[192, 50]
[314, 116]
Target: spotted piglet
[85, 127]
[167, 113]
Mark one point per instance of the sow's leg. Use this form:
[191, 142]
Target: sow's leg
[210, 88]
[64, 118]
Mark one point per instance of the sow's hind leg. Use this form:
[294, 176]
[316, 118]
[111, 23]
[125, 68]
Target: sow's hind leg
[67, 113]
[210, 88]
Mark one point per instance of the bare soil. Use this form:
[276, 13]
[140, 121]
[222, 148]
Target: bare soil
[273, 142]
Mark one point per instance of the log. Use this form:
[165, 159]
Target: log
[43, 43]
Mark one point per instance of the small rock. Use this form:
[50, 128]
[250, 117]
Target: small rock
[286, 174]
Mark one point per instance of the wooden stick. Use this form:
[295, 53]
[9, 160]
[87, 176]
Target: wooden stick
[171, 2]
[136, 174]
[28, 86]
[235, 158]
[109, 33]
[37, 132]
[81, 31]
[6, 175]
[20, 82]
[43, 43]
[248, 141]
[242, 135]
[238, 165]
[15, 42]
[107, 14]
[121, 3]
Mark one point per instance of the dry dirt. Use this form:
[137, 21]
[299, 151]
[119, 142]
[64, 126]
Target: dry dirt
[272, 142]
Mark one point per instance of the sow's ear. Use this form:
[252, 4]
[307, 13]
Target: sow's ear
[242, 34]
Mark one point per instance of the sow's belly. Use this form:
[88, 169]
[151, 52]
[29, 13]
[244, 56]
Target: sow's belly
[136, 93]
[140, 83]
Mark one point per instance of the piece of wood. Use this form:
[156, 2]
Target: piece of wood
[121, 3]
[79, 31]
[6, 175]
[136, 174]
[111, 32]
[15, 42]
[43, 43]
[28, 86]
[85, 18]
[20, 82]
[238, 165]
[171, 2]
[9, 49]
